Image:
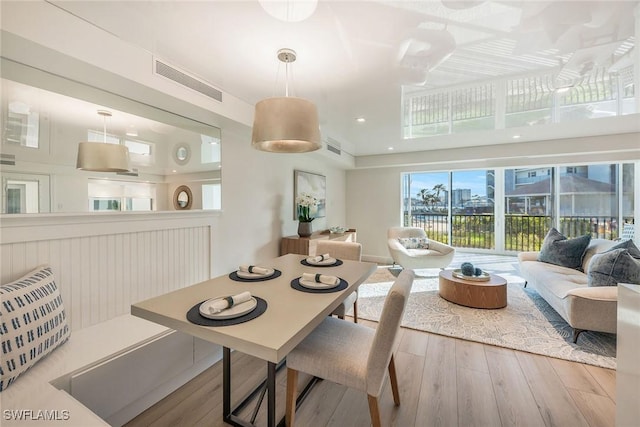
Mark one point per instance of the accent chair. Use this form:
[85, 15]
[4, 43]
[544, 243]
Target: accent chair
[410, 248]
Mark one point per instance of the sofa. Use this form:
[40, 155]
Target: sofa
[585, 308]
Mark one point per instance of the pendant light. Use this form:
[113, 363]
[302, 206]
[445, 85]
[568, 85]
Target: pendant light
[286, 124]
[102, 156]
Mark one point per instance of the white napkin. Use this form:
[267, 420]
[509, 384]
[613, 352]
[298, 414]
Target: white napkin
[228, 302]
[320, 278]
[318, 258]
[254, 269]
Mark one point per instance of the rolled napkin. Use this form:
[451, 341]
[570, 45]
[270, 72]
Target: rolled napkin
[254, 269]
[318, 258]
[320, 278]
[228, 302]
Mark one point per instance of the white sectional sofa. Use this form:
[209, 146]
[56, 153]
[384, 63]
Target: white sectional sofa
[584, 308]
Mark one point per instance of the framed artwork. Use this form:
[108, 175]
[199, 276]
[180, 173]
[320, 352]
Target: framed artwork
[314, 184]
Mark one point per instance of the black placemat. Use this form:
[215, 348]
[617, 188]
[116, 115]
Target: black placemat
[194, 316]
[234, 276]
[295, 284]
[335, 264]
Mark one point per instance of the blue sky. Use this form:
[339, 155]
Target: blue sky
[473, 180]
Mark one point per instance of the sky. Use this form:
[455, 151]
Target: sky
[474, 180]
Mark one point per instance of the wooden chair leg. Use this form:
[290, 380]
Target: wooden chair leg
[374, 411]
[355, 311]
[292, 386]
[393, 379]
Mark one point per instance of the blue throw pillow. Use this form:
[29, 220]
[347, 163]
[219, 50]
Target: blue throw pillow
[557, 249]
[629, 246]
[612, 267]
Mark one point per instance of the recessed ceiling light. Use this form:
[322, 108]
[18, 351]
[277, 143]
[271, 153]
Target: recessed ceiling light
[360, 119]
[174, 171]
[516, 136]
[390, 148]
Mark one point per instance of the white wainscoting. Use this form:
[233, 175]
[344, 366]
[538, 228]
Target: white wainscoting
[105, 262]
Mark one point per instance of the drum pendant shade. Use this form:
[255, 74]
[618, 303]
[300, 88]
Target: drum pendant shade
[102, 157]
[286, 125]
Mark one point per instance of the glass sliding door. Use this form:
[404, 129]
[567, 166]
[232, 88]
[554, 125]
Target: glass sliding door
[426, 203]
[473, 209]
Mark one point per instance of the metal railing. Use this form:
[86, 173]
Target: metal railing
[522, 232]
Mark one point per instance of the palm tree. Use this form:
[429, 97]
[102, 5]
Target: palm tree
[439, 188]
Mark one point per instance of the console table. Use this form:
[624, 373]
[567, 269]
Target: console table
[307, 245]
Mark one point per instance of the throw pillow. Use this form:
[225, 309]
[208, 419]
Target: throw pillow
[414, 242]
[32, 322]
[559, 250]
[612, 267]
[629, 246]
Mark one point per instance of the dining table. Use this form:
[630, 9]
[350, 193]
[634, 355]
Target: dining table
[286, 313]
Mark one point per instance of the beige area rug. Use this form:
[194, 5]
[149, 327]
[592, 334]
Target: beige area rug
[528, 323]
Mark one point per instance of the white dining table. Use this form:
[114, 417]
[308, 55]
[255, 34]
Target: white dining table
[290, 316]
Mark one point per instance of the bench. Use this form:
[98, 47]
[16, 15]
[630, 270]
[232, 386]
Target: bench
[104, 374]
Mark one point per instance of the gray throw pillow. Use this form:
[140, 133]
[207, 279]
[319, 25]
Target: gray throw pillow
[629, 246]
[557, 249]
[612, 267]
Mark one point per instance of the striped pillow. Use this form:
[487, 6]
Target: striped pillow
[32, 322]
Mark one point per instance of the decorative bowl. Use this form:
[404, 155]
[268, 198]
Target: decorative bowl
[485, 277]
[337, 230]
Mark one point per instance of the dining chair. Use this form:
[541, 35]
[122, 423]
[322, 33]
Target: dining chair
[343, 250]
[352, 354]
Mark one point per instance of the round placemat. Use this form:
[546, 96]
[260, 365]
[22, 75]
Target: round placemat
[194, 316]
[335, 264]
[295, 284]
[234, 276]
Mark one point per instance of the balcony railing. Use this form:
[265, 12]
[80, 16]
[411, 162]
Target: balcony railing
[522, 232]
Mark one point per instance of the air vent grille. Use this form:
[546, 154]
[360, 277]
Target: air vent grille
[8, 159]
[132, 172]
[334, 146]
[172, 73]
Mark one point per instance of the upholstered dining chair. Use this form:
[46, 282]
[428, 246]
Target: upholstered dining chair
[410, 248]
[352, 354]
[343, 250]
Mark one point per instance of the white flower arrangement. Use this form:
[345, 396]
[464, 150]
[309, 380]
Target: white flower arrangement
[304, 202]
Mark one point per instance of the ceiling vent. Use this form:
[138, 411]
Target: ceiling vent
[334, 146]
[8, 159]
[132, 172]
[165, 70]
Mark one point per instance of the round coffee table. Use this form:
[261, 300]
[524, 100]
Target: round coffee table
[471, 293]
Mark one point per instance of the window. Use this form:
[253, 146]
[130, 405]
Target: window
[138, 147]
[211, 196]
[99, 136]
[107, 195]
[460, 206]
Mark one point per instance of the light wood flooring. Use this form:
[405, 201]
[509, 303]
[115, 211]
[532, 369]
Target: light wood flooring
[443, 382]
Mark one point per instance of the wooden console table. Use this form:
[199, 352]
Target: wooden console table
[307, 245]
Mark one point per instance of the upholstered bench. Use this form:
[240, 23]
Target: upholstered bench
[101, 375]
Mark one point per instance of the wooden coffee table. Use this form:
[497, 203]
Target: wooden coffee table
[470, 293]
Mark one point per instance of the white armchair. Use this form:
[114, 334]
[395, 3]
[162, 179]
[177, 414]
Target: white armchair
[438, 255]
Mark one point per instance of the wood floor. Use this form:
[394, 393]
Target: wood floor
[443, 382]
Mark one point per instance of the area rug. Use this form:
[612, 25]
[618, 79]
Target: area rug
[528, 323]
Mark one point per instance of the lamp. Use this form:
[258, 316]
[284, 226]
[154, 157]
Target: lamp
[102, 156]
[286, 124]
[289, 10]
